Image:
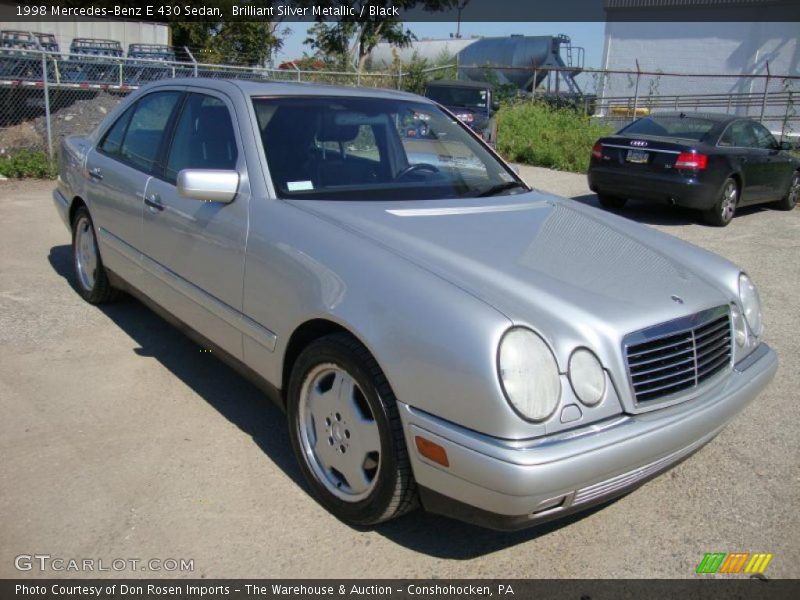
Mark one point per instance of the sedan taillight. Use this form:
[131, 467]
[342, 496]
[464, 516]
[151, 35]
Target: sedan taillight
[597, 150]
[691, 160]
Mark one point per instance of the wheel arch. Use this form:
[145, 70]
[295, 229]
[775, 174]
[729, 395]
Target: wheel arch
[739, 179]
[74, 205]
[305, 334]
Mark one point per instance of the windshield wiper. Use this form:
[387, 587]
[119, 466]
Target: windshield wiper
[500, 187]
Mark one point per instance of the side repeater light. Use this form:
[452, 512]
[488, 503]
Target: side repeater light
[431, 451]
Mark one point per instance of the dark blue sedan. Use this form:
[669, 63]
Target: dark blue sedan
[711, 162]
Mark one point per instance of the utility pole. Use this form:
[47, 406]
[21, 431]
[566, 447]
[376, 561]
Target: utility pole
[460, 6]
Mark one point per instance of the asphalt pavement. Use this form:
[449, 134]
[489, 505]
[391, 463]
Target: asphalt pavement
[120, 439]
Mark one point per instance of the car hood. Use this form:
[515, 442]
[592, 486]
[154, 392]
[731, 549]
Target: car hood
[576, 274]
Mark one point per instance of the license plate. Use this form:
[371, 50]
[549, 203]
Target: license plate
[637, 156]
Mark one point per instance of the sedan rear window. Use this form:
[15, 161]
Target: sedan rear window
[355, 148]
[690, 128]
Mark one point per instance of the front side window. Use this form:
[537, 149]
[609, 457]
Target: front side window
[146, 129]
[352, 148]
[204, 137]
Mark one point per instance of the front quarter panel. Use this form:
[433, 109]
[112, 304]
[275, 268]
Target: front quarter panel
[435, 343]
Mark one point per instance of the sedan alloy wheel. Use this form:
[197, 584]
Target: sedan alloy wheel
[340, 437]
[347, 434]
[93, 282]
[725, 207]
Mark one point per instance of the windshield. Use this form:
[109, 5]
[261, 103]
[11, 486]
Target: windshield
[353, 148]
[691, 128]
[461, 97]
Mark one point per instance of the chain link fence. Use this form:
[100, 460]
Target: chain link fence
[769, 98]
[45, 95]
[617, 97]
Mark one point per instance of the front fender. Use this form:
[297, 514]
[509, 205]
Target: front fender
[435, 342]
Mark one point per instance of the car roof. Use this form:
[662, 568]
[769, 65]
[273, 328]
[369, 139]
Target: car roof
[289, 88]
[481, 85]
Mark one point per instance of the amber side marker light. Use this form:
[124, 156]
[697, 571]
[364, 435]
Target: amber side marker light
[432, 451]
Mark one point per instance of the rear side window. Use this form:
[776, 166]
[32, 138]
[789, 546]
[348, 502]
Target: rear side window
[690, 128]
[112, 143]
[146, 129]
[204, 137]
[739, 134]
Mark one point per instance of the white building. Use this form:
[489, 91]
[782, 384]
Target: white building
[735, 49]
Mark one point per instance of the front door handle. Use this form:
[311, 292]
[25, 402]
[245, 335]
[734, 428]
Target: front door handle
[96, 173]
[153, 203]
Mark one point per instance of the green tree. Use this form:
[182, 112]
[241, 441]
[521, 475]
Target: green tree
[349, 41]
[240, 42]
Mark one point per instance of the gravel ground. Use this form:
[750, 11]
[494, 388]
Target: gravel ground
[120, 439]
[73, 112]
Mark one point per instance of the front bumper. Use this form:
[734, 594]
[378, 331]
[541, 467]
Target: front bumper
[507, 484]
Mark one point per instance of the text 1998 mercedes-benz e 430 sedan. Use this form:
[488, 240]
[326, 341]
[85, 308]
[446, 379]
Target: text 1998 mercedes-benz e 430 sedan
[437, 331]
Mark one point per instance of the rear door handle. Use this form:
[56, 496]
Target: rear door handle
[153, 203]
[96, 173]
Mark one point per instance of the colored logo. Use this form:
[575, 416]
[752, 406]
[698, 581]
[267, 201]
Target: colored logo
[736, 562]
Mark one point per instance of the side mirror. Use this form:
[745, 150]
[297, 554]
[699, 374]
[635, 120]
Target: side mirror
[786, 145]
[208, 185]
[495, 106]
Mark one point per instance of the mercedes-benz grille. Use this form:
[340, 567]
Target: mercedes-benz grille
[678, 356]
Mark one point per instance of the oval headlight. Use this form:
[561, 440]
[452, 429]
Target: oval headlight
[751, 304]
[528, 374]
[587, 376]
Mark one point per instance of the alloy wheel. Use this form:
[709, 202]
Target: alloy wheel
[794, 190]
[340, 438]
[728, 204]
[86, 253]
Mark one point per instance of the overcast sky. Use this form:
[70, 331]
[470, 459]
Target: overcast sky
[588, 35]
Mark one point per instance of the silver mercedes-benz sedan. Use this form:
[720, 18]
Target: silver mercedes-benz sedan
[438, 332]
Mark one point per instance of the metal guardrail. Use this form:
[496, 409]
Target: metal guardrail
[624, 105]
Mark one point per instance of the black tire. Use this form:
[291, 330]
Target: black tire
[393, 490]
[721, 214]
[611, 202]
[99, 290]
[789, 201]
